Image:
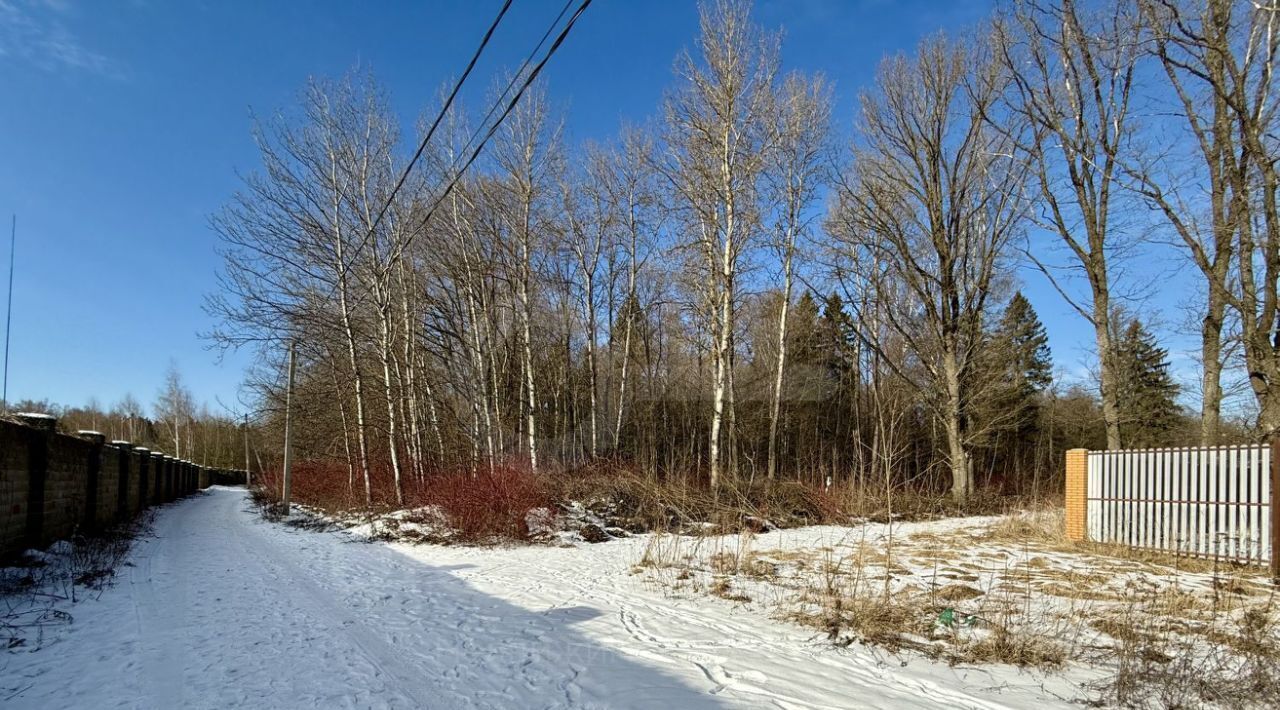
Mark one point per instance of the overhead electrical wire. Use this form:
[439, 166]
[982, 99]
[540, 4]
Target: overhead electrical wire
[529, 77]
[528, 81]
[426, 139]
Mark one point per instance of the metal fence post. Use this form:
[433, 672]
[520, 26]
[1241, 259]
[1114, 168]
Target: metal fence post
[1275, 507]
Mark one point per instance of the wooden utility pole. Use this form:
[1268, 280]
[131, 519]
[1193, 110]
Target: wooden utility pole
[288, 454]
[247, 478]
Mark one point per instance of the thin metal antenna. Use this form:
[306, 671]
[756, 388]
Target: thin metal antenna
[8, 318]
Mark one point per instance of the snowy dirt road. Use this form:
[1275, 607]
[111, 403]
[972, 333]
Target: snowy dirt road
[223, 609]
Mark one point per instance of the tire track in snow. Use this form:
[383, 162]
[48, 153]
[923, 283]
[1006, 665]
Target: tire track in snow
[405, 626]
[319, 606]
[701, 658]
[177, 631]
[711, 645]
[157, 628]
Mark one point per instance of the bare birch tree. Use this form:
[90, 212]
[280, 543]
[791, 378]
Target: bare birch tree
[718, 121]
[796, 173]
[529, 160]
[636, 199]
[288, 237]
[175, 408]
[589, 215]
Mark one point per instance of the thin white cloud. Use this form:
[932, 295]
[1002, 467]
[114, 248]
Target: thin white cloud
[35, 33]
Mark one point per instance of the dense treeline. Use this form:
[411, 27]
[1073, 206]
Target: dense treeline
[174, 424]
[733, 293]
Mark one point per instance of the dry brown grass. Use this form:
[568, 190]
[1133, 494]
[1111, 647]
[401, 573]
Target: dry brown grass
[664, 552]
[1026, 650]
[723, 588]
[639, 503]
[1044, 530]
[1018, 593]
[1178, 649]
[1043, 525]
[888, 623]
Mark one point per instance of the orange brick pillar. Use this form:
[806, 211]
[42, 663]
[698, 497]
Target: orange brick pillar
[1076, 492]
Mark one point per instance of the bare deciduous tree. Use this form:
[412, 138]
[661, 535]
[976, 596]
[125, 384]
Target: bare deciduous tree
[797, 171]
[529, 159]
[1071, 79]
[926, 217]
[719, 126]
[1219, 56]
[656, 301]
[175, 409]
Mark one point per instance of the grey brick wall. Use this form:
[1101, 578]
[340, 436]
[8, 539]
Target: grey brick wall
[14, 486]
[54, 486]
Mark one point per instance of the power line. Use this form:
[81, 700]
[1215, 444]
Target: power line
[422, 146]
[529, 79]
[515, 76]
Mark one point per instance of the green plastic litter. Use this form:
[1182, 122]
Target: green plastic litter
[948, 618]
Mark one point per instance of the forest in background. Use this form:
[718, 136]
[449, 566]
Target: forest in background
[732, 293]
[174, 423]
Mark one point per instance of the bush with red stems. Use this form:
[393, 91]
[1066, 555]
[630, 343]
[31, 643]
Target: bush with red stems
[479, 506]
[489, 504]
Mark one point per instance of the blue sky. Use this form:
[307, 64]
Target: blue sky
[123, 125]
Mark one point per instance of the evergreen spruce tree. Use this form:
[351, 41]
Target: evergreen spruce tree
[1029, 361]
[1149, 413]
[1017, 369]
[803, 333]
[1007, 387]
[838, 360]
[805, 372]
[837, 338]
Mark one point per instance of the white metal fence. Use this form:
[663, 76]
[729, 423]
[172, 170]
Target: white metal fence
[1209, 502]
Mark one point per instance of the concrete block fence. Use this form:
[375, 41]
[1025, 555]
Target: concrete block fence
[54, 486]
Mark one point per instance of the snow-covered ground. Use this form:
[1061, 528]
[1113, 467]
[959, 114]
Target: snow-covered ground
[222, 609]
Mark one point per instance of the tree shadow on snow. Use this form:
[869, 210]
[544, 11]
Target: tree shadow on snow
[468, 648]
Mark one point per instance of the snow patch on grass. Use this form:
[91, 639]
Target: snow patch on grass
[1133, 629]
